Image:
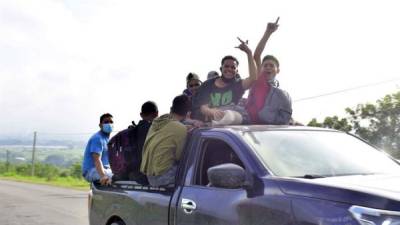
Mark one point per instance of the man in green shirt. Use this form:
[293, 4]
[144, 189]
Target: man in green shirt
[164, 144]
[226, 90]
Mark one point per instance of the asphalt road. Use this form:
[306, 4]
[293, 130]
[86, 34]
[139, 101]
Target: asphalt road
[30, 204]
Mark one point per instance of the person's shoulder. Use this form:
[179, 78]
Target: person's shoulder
[176, 125]
[209, 82]
[282, 94]
[143, 123]
[95, 136]
[187, 92]
[179, 128]
[99, 137]
[238, 81]
[281, 91]
[237, 84]
[95, 141]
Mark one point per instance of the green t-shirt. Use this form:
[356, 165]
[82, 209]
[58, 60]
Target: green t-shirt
[215, 97]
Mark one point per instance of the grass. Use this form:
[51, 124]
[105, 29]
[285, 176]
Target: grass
[67, 182]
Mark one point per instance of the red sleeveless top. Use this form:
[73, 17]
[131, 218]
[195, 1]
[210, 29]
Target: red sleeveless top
[257, 96]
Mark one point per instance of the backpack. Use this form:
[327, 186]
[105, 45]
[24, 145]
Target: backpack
[125, 152]
[121, 153]
[277, 109]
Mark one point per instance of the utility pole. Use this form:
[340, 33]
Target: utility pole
[33, 153]
[8, 161]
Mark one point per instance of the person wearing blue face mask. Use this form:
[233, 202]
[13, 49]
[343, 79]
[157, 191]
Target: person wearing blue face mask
[95, 165]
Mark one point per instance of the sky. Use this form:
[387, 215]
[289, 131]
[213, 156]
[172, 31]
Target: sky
[64, 63]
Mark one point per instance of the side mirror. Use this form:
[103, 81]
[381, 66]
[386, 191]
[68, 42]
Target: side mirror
[227, 175]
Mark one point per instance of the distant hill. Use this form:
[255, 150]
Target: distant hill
[48, 142]
[62, 153]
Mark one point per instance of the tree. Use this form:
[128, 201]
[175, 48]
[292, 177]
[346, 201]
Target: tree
[377, 123]
[333, 123]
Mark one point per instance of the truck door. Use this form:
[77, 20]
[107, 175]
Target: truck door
[201, 204]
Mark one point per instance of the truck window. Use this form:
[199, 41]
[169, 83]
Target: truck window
[214, 152]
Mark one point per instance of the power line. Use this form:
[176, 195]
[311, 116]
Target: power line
[345, 90]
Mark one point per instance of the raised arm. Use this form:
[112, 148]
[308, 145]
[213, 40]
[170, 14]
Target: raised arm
[271, 28]
[246, 83]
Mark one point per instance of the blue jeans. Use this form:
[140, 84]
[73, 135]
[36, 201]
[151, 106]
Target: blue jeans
[164, 180]
[93, 175]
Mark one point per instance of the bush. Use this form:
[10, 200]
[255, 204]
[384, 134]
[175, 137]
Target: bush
[76, 170]
[65, 173]
[48, 171]
[3, 168]
[23, 169]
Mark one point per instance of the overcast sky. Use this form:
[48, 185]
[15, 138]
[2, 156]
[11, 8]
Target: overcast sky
[64, 63]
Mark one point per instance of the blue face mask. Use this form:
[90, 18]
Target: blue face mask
[107, 128]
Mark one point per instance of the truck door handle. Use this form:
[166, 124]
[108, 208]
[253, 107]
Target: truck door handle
[188, 205]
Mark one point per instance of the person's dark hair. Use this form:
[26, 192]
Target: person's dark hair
[105, 115]
[192, 76]
[181, 105]
[148, 108]
[271, 57]
[229, 57]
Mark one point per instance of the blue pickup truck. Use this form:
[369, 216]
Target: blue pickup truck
[262, 175]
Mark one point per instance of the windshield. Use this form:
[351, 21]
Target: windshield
[313, 154]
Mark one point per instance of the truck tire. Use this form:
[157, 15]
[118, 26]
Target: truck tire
[120, 222]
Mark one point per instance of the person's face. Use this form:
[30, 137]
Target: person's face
[269, 68]
[229, 68]
[193, 85]
[106, 120]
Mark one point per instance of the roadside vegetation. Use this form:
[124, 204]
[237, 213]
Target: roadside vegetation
[45, 174]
